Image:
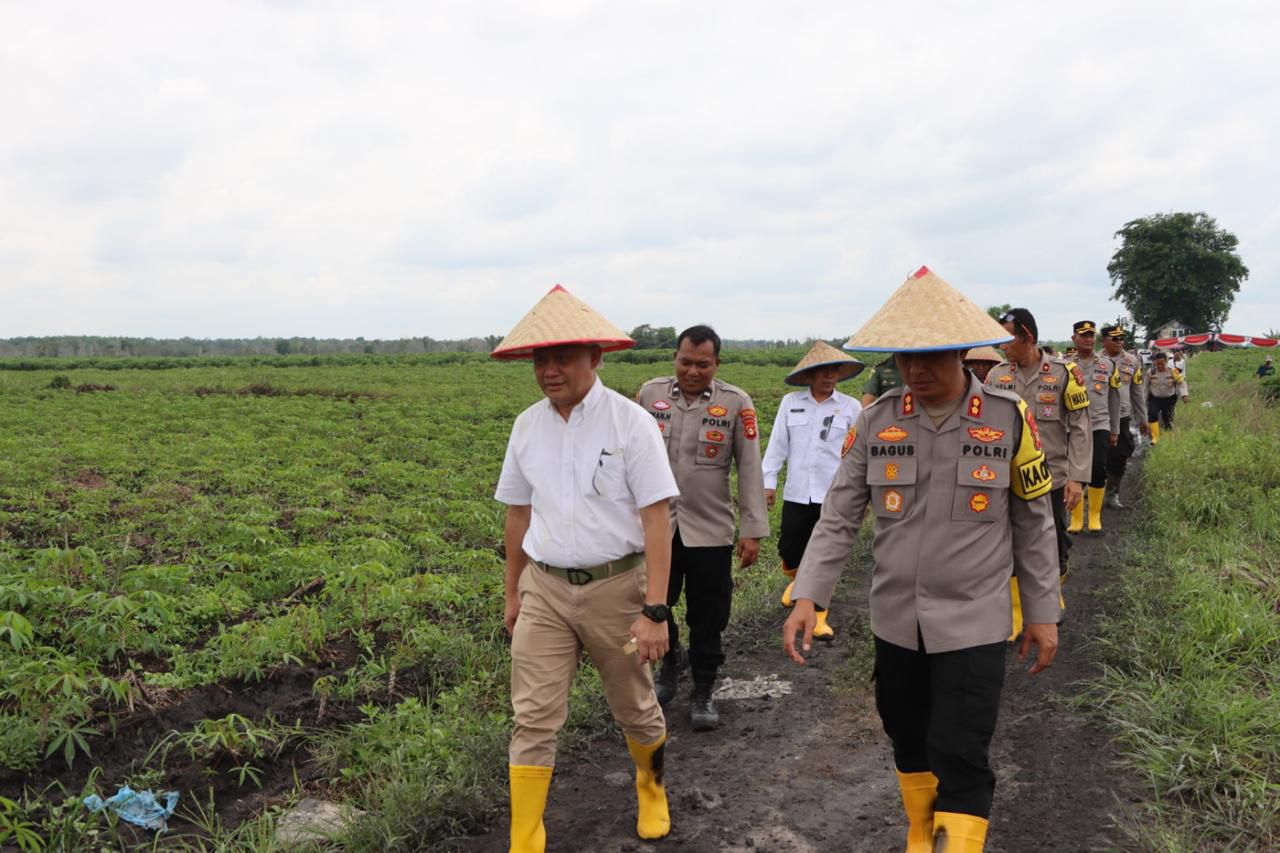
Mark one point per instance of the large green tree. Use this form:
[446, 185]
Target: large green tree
[1177, 266]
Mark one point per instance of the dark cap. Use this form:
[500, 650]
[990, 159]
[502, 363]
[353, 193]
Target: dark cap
[1083, 327]
[1112, 332]
[1160, 354]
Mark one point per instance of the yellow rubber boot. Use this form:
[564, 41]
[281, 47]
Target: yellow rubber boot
[823, 631]
[919, 790]
[529, 787]
[958, 833]
[1077, 518]
[1154, 426]
[653, 819]
[1095, 508]
[787, 601]
[1017, 609]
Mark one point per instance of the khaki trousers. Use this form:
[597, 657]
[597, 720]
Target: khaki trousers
[557, 621]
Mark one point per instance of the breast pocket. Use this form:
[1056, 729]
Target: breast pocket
[713, 447]
[893, 486]
[982, 490]
[797, 418]
[609, 478]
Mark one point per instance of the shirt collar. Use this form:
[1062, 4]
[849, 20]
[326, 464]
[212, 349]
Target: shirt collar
[589, 402]
[704, 396]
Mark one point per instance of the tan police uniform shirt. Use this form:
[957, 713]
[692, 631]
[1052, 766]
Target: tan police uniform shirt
[702, 439]
[1167, 382]
[959, 508]
[1133, 393]
[1102, 381]
[1054, 391]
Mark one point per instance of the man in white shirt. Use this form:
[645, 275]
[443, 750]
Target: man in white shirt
[807, 436]
[588, 552]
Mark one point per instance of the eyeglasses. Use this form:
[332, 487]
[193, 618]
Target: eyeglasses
[826, 427]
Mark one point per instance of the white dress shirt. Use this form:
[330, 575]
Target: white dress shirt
[807, 437]
[585, 478]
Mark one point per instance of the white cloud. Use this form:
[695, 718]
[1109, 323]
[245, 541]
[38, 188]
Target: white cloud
[407, 169]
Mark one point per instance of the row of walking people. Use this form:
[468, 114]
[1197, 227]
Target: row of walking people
[970, 484]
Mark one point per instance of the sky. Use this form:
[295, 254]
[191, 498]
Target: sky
[387, 170]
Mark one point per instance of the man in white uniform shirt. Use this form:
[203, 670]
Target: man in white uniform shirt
[588, 552]
[808, 432]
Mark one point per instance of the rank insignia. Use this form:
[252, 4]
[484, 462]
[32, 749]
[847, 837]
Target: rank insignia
[849, 439]
[661, 405]
[748, 422]
[984, 474]
[1005, 380]
[893, 433]
[975, 406]
[893, 500]
[712, 451]
[908, 403]
[891, 471]
[1035, 430]
[717, 411]
[986, 434]
[1048, 398]
[715, 435]
[979, 502]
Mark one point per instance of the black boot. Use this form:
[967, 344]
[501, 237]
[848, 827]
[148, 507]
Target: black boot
[669, 675]
[702, 708]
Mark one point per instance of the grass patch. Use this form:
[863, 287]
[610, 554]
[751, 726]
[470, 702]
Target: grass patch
[1191, 648]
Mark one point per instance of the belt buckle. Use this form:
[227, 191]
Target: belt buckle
[578, 577]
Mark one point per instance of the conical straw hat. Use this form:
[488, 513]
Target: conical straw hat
[990, 354]
[926, 314]
[560, 319]
[820, 355]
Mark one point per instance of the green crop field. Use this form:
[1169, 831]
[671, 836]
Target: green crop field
[247, 579]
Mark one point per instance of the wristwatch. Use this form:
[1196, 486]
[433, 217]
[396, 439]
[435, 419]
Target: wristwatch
[656, 612]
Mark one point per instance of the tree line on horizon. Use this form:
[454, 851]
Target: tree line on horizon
[1170, 266]
[102, 346]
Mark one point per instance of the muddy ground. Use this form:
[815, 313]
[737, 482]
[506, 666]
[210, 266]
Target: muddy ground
[811, 770]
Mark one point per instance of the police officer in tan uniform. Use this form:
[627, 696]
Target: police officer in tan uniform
[1053, 389]
[954, 474]
[1166, 385]
[588, 539]
[1102, 381]
[707, 425]
[1133, 407]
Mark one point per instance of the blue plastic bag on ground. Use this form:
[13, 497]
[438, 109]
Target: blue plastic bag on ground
[141, 808]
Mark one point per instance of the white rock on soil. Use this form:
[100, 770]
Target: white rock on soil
[760, 687]
[312, 821]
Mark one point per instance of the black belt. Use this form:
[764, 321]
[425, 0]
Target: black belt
[587, 574]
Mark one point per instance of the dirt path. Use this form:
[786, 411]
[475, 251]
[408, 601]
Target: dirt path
[811, 770]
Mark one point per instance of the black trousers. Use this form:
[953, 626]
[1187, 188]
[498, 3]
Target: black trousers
[1161, 409]
[798, 521]
[705, 576]
[1101, 445]
[1118, 456]
[939, 710]
[1058, 500]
